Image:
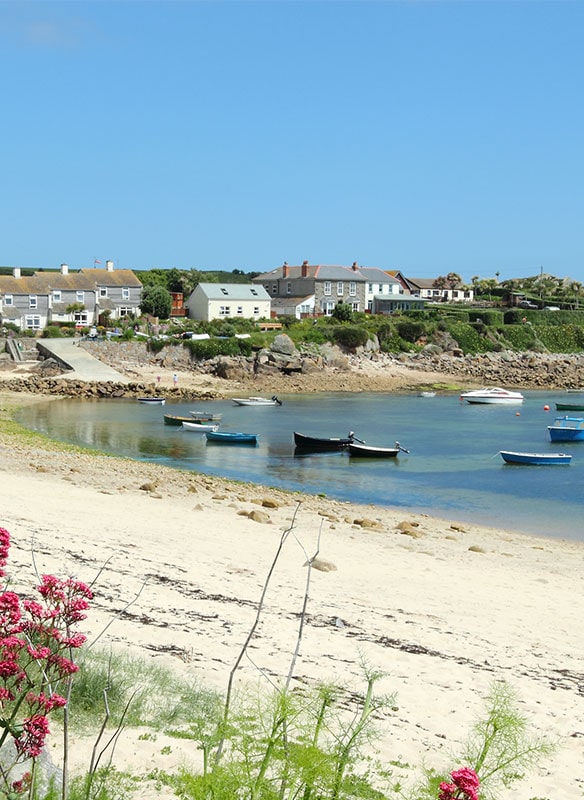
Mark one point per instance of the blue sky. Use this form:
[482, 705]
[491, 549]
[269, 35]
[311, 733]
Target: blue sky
[421, 135]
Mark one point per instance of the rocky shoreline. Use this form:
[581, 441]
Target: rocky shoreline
[282, 369]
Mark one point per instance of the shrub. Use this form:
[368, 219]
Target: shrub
[52, 332]
[410, 331]
[350, 336]
[487, 316]
[204, 349]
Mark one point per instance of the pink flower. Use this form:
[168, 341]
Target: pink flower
[32, 739]
[465, 786]
[4, 548]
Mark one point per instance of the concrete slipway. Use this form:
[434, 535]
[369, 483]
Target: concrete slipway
[83, 365]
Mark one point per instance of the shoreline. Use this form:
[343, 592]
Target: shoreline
[444, 609]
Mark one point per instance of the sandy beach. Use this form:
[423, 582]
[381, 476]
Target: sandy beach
[442, 609]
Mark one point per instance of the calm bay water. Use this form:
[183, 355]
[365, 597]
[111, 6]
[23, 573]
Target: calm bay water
[453, 470]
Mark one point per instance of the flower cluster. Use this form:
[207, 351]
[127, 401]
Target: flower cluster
[36, 644]
[465, 786]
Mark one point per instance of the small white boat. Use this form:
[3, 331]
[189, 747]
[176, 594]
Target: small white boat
[205, 416]
[493, 395]
[536, 459]
[257, 401]
[200, 427]
[427, 394]
[152, 401]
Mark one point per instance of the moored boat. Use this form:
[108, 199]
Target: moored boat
[368, 451]
[175, 419]
[199, 427]
[232, 437]
[426, 394]
[152, 401]
[205, 416]
[569, 406]
[493, 395]
[567, 429]
[257, 401]
[537, 459]
[319, 444]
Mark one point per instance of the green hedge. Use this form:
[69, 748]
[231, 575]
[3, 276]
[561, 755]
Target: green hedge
[561, 338]
[469, 338]
[350, 336]
[488, 316]
[203, 349]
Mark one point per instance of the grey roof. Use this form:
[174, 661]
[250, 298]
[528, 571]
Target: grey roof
[233, 291]
[377, 275]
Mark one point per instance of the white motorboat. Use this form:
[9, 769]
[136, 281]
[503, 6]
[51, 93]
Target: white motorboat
[494, 395]
[257, 401]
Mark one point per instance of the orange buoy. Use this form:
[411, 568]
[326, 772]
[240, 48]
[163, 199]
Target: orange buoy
[546, 408]
[517, 414]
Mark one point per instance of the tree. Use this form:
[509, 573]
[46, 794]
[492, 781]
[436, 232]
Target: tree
[156, 300]
[453, 280]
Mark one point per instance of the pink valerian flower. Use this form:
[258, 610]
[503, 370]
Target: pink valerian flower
[32, 739]
[465, 786]
[23, 785]
[69, 597]
[44, 703]
[4, 548]
[10, 612]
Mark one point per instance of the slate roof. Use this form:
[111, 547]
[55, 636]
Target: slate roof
[234, 291]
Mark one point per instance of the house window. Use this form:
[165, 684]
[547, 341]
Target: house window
[103, 291]
[288, 288]
[380, 288]
[340, 288]
[254, 292]
[327, 288]
[354, 306]
[80, 318]
[352, 289]
[124, 311]
[371, 288]
[125, 293]
[327, 307]
[79, 297]
[256, 311]
[224, 291]
[8, 300]
[32, 301]
[240, 309]
[32, 322]
[274, 287]
[56, 295]
[224, 311]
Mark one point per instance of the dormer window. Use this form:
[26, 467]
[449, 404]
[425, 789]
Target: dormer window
[56, 295]
[224, 291]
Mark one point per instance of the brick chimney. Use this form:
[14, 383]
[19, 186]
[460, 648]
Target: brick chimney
[285, 269]
[354, 266]
[304, 269]
[64, 269]
[16, 272]
[109, 265]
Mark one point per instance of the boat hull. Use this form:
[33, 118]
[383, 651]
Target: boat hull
[317, 444]
[231, 437]
[152, 401]
[365, 451]
[569, 406]
[535, 459]
[256, 401]
[174, 419]
[566, 434]
[199, 427]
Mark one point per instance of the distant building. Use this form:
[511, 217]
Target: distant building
[227, 301]
[36, 301]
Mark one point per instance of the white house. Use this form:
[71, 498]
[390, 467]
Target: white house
[228, 301]
[379, 286]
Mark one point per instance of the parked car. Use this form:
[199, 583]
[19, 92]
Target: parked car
[528, 304]
[551, 308]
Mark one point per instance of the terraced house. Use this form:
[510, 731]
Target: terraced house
[44, 298]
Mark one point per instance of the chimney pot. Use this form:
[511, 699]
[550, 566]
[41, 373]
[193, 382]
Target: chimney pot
[16, 272]
[109, 265]
[355, 266]
[64, 269]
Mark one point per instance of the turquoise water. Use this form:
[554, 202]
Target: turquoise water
[453, 469]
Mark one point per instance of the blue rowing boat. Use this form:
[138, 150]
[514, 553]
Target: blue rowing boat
[232, 437]
[538, 459]
[567, 429]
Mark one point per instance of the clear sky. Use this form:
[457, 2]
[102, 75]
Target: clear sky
[422, 135]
